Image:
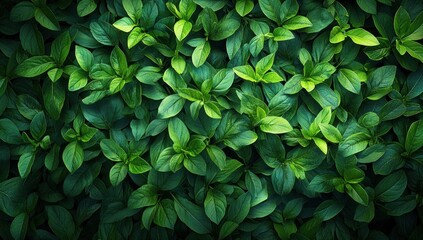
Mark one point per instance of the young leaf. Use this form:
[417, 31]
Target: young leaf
[349, 80]
[246, 72]
[275, 125]
[170, 106]
[35, 66]
[118, 173]
[362, 37]
[414, 139]
[182, 28]
[297, 22]
[112, 150]
[330, 132]
[60, 48]
[200, 54]
[178, 132]
[73, 156]
[46, 18]
[243, 7]
[25, 163]
[133, 8]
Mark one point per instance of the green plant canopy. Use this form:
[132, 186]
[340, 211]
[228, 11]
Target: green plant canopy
[211, 119]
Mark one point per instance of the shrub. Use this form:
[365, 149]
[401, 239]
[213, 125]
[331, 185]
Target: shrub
[237, 119]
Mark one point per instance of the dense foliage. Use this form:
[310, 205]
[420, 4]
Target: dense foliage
[198, 119]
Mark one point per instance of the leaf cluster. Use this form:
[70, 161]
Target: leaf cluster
[223, 119]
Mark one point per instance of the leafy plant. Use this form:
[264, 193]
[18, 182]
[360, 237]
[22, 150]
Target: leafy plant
[224, 119]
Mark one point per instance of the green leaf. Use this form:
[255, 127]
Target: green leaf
[104, 33]
[38, 126]
[192, 215]
[330, 132]
[270, 9]
[54, 74]
[46, 18]
[84, 57]
[170, 106]
[182, 28]
[320, 17]
[401, 206]
[392, 109]
[139, 166]
[227, 228]
[353, 144]
[415, 84]
[19, 226]
[135, 37]
[414, 139]
[133, 8]
[391, 187]
[60, 48]
[226, 27]
[364, 213]
[358, 193]
[200, 54]
[283, 180]
[73, 156]
[75, 184]
[196, 165]
[116, 85]
[77, 80]
[275, 125]
[118, 61]
[415, 49]
[265, 64]
[118, 173]
[58, 217]
[222, 81]
[336, 35]
[380, 81]
[144, 196]
[328, 209]
[297, 22]
[54, 98]
[256, 45]
[349, 80]
[215, 205]
[178, 132]
[35, 66]
[25, 163]
[22, 11]
[362, 37]
[402, 22]
[212, 110]
[165, 214]
[112, 150]
[239, 209]
[282, 34]
[246, 72]
[9, 132]
[124, 24]
[306, 159]
[178, 63]
[86, 7]
[243, 7]
[217, 155]
[369, 6]
[190, 94]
